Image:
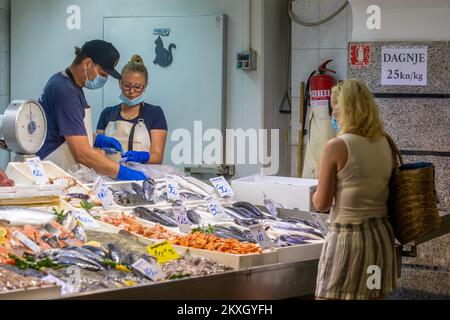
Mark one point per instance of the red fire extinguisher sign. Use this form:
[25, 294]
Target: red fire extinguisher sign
[360, 55]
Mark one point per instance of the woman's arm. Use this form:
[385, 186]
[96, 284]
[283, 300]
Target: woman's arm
[158, 138]
[334, 158]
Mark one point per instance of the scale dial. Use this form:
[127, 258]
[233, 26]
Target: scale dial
[24, 127]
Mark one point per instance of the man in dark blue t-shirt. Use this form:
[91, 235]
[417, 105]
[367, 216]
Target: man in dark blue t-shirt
[68, 114]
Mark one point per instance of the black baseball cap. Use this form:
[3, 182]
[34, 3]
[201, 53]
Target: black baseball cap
[104, 54]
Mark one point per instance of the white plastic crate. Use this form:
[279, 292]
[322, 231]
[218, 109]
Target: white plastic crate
[291, 193]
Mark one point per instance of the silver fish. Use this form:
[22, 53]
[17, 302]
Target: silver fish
[17, 217]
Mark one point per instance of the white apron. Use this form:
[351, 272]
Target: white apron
[62, 156]
[320, 132]
[132, 137]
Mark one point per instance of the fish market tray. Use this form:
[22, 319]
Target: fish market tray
[291, 193]
[235, 261]
[20, 172]
[303, 252]
[50, 292]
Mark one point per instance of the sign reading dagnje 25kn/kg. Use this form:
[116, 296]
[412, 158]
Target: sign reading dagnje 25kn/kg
[404, 66]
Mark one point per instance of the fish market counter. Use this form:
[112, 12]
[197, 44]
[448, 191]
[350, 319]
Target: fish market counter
[168, 237]
[271, 282]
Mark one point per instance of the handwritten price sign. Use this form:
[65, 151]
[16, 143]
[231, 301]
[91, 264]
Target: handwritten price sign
[37, 170]
[215, 208]
[222, 187]
[184, 225]
[172, 188]
[102, 192]
[163, 252]
[151, 270]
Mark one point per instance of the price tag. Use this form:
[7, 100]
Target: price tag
[184, 225]
[26, 241]
[86, 220]
[222, 187]
[271, 206]
[320, 223]
[163, 252]
[152, 271]
[261, 236]
[37, 170]
[103, 193]
[216, 208]
[172, 188]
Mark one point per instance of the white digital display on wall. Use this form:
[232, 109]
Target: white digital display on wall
[404, 66]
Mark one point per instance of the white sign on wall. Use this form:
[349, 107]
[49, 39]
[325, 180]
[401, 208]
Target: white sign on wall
[404, 66]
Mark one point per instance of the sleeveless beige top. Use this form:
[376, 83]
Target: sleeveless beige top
[362, 188]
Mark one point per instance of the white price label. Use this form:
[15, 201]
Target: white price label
[152, 271]
[271, 206]
[222, 187]
[103, 193]
[173, 192]
[215, 208]
[261, 236]
[37, 170]
[404, 66]
[320, 223]
[26, 241]
[86, 220]
[184, 225]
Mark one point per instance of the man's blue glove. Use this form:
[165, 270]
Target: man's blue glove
[127, 174]
[136, 156]
[102, 141]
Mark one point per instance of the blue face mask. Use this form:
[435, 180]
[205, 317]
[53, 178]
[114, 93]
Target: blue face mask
[335, 124]
[133, 102]
[98, 83]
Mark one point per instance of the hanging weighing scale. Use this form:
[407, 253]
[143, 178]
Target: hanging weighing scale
[23, 128]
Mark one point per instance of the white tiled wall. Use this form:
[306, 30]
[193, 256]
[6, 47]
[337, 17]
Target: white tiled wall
[4, 65]
[313, 45]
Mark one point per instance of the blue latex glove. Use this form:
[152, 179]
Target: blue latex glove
[128, 174]
[102, 141]
[136, 156]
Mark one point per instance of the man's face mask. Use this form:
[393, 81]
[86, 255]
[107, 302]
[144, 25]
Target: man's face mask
[98, 83]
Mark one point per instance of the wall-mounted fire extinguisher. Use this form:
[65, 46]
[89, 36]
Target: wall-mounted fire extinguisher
[317, 114]
[318, 88]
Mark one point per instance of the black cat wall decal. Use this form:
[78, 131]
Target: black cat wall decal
[164, 57]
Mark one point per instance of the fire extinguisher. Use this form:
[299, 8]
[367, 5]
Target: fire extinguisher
[318, 88]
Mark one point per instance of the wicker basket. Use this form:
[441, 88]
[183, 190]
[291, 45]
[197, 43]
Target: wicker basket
[412, 203]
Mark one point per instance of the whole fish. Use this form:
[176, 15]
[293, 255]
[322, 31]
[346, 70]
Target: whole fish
[17, 217]
[69, 221]
[186, 195]
[191, 187]
[194, 217]
[128, 199]
[87, 253]
[250, 207]
[232, 212]
[148, 215]
[80, 234]
[70, 261]
[169, 214]
[72, 254]
[98, 251]
[115, 253]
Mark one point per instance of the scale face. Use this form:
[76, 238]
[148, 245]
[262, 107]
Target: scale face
[24, 127]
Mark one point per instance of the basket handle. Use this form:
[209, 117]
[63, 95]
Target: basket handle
[396, 155]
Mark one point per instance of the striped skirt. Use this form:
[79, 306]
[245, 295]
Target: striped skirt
[358, 261]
